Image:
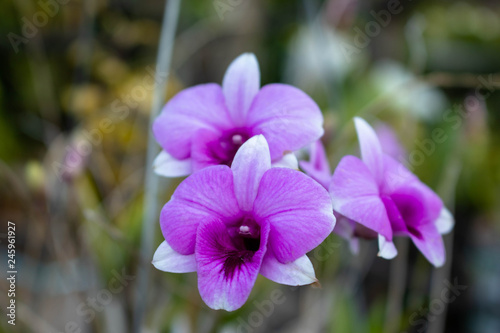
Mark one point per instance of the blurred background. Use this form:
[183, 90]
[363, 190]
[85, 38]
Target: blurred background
[76, 92]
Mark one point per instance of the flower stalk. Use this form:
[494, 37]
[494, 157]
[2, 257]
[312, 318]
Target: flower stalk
[169, 25]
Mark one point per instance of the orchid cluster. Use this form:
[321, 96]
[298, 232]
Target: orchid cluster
[245, 208]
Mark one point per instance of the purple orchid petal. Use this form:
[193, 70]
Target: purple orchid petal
[430, 243]
[433, 202]
[389, 141]
[250, 163]
[298, 209]
[387, 250]
[415, 210]
[167, 260]
[289, 160]
[399, 179]
[398, 223]
[410, 208]
[445, 221]
[355, 194]
[414, 192]
[296, 273]
[168, 166]
[371, 150]
[192, 109]
[396, 175]
[206, 150]
[318, 166]
[240, 85]
[193, 202]
[412, 213]
[286, 116]
[226, 271]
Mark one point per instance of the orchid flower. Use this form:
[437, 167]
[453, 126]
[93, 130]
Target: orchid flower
[206, 124]
[318, 168]
[230, 224]
[381, 194]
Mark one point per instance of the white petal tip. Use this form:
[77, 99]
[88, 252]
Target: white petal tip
[247, 56]
[387, 255]
[387, 250]
[255, 143]
[289, 160]
[297, 273]
[168, 260]
[437, 260]
[445, 221]
[358, 121]
[438, 264]
[167, 166]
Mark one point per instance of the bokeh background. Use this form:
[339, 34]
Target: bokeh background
[75, 103]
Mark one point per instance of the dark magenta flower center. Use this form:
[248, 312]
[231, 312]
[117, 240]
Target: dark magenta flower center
[225, 148]
[245, 236]
[406, 213]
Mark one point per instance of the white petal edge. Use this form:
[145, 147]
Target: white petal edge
[387, 250]
[168, 166]
[289, 160]
[167, 260]
[445, 221]
[296, 273]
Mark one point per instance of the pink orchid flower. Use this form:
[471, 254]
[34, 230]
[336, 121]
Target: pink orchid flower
[382, 195]
[230, 224]
[319, 169]
[206, 124]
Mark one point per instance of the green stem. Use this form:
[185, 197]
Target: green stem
[447, 191]
[169, 25]
[397, 285]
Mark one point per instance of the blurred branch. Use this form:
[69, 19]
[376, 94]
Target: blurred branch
[169, 25]
[447, 191]
[97, 216]
[397, 285]
[414, 31]
[43, 83]
[439, 79]
[315, 23]
[461, 80]
[32, 320]
[340, 8]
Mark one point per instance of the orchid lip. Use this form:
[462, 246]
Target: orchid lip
[415, 232]
[224, 149]
[246, 235]
[246, 240]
